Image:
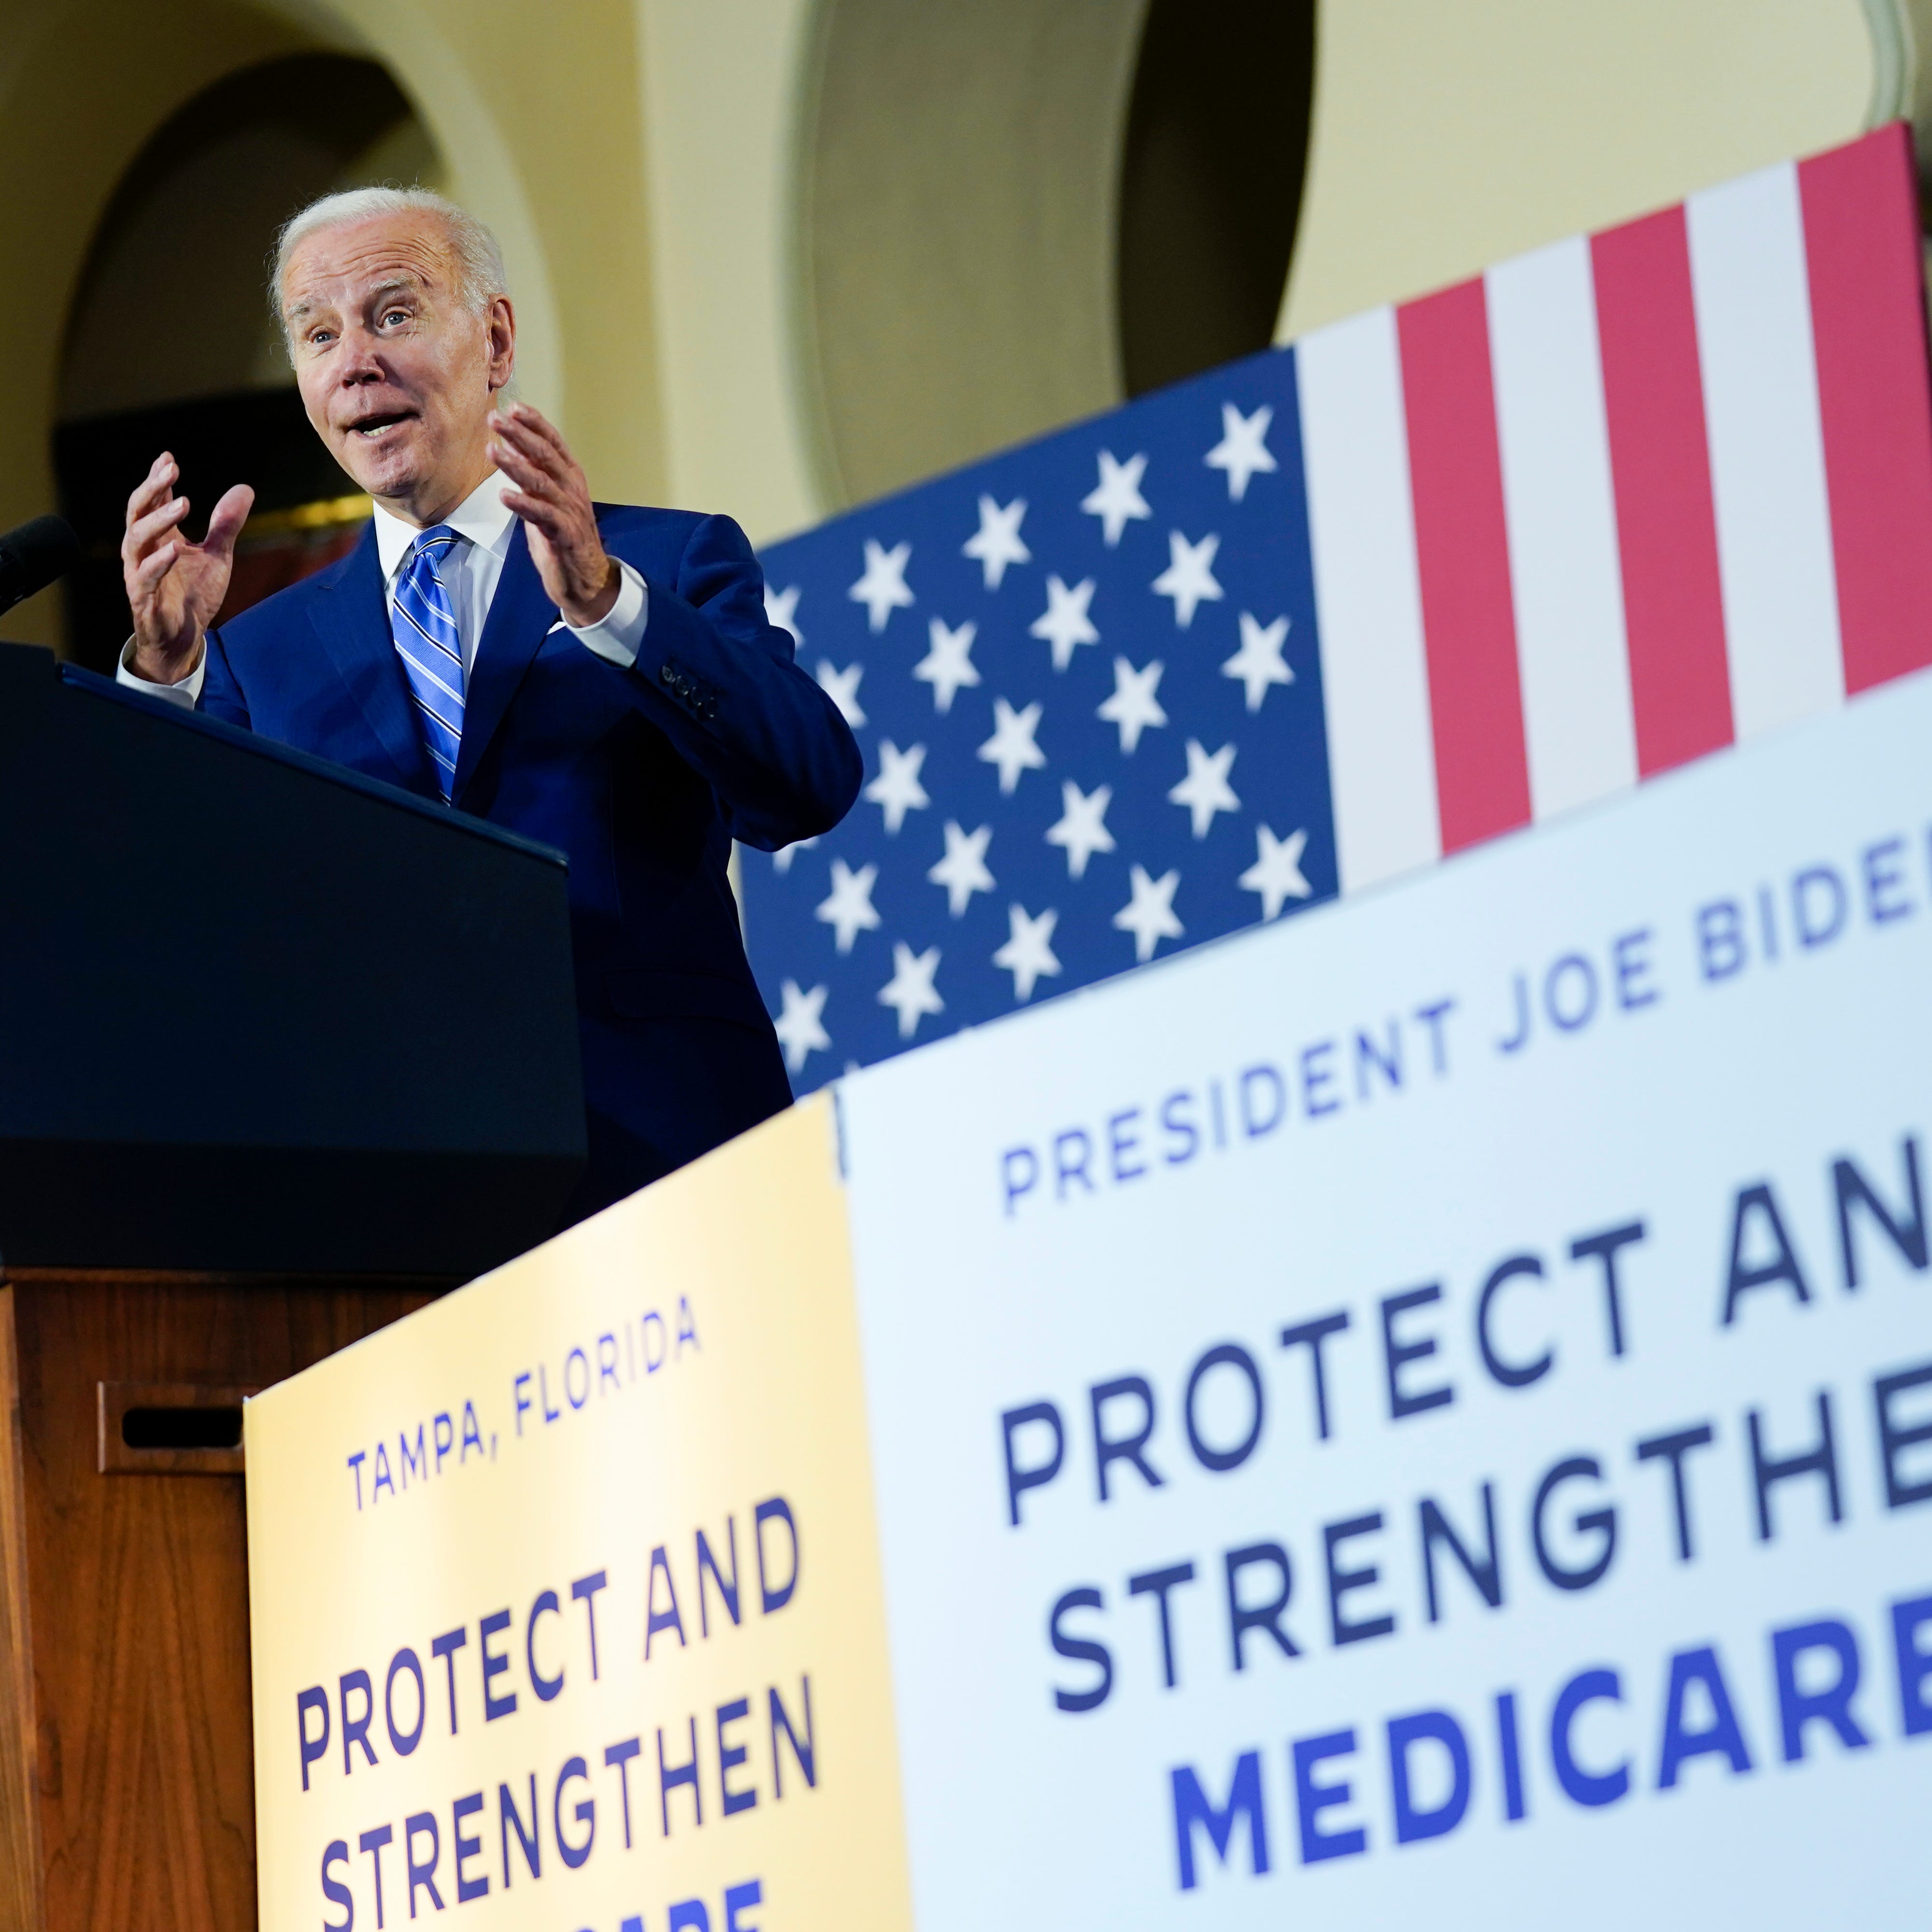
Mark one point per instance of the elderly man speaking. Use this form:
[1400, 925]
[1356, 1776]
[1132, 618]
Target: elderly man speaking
[598, 677]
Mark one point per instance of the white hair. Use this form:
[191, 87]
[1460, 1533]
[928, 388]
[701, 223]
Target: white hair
[479, 262]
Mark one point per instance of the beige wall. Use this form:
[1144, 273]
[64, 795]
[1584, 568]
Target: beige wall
[1446, 136]
[722, 83]
[645, 163]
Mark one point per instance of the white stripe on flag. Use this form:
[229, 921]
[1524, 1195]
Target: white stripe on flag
[1375, 673]
[1565, 575]
[1753, 303]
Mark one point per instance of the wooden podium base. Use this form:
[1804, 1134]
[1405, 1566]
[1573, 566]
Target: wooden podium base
[127, 1761]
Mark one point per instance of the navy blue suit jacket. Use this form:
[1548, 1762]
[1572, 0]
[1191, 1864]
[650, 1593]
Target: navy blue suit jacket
[643, 776]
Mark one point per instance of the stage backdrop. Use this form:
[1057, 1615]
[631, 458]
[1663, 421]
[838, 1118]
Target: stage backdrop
[1321, 616]
[1421, 1414]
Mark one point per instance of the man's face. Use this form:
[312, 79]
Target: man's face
[396, 373]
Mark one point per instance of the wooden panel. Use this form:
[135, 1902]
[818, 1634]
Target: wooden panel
[138, 1591]
[20, 1812]
[118, 1456]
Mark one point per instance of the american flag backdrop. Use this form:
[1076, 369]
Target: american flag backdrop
[1324, 616]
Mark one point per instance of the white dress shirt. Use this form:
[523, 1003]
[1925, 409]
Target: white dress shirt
[484, 526]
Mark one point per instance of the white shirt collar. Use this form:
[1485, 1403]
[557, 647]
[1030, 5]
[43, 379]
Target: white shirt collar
[481, 518]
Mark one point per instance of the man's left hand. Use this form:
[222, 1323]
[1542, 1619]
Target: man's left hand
[551, 496]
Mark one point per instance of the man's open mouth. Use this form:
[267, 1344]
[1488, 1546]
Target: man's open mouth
[372, 426]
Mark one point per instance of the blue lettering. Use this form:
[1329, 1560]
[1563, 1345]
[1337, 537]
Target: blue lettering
[1192, 1808]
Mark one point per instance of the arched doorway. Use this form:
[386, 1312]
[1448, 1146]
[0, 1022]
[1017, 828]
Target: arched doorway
[170, 343]
[86, 85]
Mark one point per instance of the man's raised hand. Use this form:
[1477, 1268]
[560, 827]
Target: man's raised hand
[175, 587]
[554, 500]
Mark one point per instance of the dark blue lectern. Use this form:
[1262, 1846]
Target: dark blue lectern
[257, 1011]
[284, 1052]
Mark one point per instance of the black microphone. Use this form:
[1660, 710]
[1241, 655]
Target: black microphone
[33, 556]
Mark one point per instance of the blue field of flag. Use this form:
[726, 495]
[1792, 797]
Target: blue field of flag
[1086, 679]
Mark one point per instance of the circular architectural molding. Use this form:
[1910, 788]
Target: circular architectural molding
[1013, 213]
[958, 175]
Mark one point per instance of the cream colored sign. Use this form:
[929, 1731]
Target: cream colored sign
[566, 1600]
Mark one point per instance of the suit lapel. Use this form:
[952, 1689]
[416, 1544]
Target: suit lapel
[351, 620]
[520, 616]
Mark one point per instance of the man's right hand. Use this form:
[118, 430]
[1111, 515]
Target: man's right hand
[175, 587]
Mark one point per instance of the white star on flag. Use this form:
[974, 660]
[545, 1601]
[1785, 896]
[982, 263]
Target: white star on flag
[1257, 663]
[1028, 953]
[849, 910]
[1082, 827]
[897, 790]
[948, 664]
[1116, 499]
[781, 610]
[963, 871]
[1133, 706]
[782, 858]
[1065, 623]
[1011, 747]
[1205, 790]
[1149, 914]
[883, 588]
[842, 687]
[1276, 872]
[997, 543]
[1188, 578]
[1242, 451]
[800, 1028]
[910, 991]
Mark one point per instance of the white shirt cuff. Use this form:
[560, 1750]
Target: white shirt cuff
[619, 635]
[187, 693]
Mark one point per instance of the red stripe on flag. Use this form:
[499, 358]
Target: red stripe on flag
[1862, 247]
[1660, 470]
[1461, 545]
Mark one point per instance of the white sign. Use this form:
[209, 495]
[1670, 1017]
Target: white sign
[1425, 1414]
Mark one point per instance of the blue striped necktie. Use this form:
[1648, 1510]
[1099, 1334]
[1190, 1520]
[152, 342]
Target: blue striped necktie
[424, 625]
